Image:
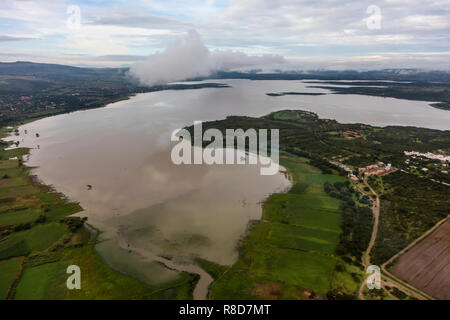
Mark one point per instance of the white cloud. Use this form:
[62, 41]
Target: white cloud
[189, 57]
[298, 28]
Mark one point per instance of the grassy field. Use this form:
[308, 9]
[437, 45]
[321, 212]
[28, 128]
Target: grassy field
[9, 271]
[98, 281]
[38, 243]
[402, 220]
[35, 239]
[18, 216]
[291, 248]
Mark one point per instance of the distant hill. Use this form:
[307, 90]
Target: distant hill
[388, 74]
[24, 68]
[53, 71]
[29, 68]
[33, 90]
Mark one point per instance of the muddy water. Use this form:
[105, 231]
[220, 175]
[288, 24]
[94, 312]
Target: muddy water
[180, 212]
[201, 289]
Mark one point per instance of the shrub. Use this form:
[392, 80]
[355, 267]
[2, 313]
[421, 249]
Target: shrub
[74, 223]
[41, 219]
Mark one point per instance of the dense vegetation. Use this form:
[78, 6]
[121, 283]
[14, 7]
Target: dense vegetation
[357, 220]
[410, 205]
[302, 133]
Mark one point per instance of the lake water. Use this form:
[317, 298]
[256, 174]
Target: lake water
[151, 209]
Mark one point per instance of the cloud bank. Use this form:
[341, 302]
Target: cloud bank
[320, 33]
[189, 58]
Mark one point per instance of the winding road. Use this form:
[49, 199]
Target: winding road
[376, 213]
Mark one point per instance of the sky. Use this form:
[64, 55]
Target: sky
[277, 34]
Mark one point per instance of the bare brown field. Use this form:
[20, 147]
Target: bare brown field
[426, 266]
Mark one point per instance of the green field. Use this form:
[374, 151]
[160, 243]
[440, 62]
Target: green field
[292, 248]
[297, 237]
[18, 216]
[36, 239]
[9, 271]
[98, 281]
[35, 281]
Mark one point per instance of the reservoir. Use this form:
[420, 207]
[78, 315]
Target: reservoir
[156, 217]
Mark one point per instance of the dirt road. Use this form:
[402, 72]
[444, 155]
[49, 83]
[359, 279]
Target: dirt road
[376, 213]
[388, 278]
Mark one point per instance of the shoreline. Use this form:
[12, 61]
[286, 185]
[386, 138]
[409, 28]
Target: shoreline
[201, 288]
[92, 230]
[40, 182]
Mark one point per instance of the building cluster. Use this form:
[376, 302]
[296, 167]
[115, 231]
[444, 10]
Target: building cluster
[417, 158]
[429, 155]
[350, 134]
[375, 169]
